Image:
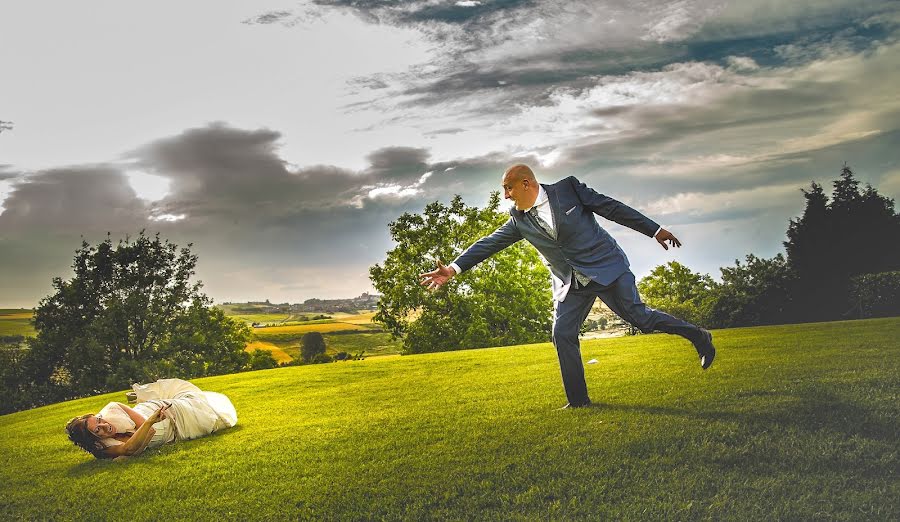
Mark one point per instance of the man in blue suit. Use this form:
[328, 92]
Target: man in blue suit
[585, 263]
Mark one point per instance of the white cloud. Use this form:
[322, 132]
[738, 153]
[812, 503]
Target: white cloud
[6, 187]
[736, 202]
[742, 63]
[168, 217]
[392, 190]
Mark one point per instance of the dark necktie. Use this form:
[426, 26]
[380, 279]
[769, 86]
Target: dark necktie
[540, 221]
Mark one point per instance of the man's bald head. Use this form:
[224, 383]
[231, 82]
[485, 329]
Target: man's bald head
[518, 172]
[520, 185]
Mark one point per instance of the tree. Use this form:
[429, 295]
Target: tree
[756, 293]
[130, 314]
[262, 360]
[857, 233]
[504, 300]
[14, 394]
[312, 345]
[675, 289]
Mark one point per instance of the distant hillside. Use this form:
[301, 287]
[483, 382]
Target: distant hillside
[280, 331]
[16, 321]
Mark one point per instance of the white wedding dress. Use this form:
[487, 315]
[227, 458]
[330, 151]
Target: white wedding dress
[195, 413]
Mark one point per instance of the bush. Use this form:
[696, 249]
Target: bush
[875, 295]
[312, 344]
[262, 360]
[320, 358]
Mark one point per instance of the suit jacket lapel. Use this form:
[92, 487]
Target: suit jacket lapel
[553, 200]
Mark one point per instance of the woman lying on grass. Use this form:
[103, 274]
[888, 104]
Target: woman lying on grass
[167, 410]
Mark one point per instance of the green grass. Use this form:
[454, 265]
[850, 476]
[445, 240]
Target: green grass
[16, 321]
[367, 343]
[370, 344]
[791, 422]
[259, 318]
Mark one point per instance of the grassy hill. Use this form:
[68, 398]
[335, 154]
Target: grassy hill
[792, 422]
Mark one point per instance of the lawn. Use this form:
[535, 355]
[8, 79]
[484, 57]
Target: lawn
[792, 422]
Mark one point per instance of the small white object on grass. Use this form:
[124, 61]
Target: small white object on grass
[592, 361]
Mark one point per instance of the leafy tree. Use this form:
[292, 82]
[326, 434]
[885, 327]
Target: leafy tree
[857, 233]
[675, 289]
[262, 360]
[14, 394]
[130, 314]
[504, 300]
[312, 345]
[758, 292]
[876, 295]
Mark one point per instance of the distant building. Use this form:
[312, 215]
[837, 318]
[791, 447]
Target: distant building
[365, 301]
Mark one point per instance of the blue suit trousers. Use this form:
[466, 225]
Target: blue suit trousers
[621, 296]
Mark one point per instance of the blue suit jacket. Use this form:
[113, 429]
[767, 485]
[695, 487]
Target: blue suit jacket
[581, 243]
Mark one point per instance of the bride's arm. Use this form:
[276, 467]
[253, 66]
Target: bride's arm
[136, 417]
[139, 439]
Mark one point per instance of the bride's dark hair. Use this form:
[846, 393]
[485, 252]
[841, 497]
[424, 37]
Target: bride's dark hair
[83, 438]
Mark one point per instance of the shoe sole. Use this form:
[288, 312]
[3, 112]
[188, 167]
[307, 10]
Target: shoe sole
[704, 363]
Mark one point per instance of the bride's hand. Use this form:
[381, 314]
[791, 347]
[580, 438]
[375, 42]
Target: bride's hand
[159, 414]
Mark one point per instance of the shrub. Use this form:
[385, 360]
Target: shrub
[875, 295]
[312, 344]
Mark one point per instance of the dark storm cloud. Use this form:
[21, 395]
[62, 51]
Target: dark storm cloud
[231, 195]
[71, 199]
[397, 163]
[219, 170]
[257, 223]
[416, 13]
[644, 37]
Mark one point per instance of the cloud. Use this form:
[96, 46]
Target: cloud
[702, 114]
[68, 200]
[233, 196]
[521, 50]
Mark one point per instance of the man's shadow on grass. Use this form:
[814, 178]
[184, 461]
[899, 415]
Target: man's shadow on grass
[812, 410]
[146, 459]
[812, 430]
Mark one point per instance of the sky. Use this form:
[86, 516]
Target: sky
[281, 138]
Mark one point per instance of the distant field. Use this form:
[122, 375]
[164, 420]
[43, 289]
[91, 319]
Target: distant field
[260, 318]
[298, 330]
[367, 343]
[365, 318]
[16, 321]
[277, 353]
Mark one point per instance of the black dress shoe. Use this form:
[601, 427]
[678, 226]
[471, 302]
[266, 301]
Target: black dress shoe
[582, 405]
[705, 349]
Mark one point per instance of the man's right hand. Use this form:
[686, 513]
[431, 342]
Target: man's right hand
[437, 277]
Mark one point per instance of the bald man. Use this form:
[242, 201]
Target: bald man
[585, 263]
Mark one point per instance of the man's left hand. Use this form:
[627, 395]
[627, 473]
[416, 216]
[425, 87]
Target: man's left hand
[664, 236]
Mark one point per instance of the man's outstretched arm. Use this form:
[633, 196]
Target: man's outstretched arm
[482, 249]
[622, 214]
